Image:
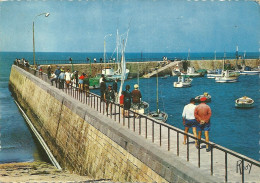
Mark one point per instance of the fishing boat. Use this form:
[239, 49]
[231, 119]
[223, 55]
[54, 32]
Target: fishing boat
[227, 76]
[191, 73]
[246, 70]
[176, 71]
[183, 82]
[244, 102]
[206, 95]
[214, 73]
[109, 72]
[158, 115]
[144, 107]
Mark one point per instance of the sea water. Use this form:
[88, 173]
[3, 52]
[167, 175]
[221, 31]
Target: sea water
[236, 129]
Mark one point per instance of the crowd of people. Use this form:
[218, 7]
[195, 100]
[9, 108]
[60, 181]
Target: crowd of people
[127, 98]
[22, 63]
[66, 78]
[197, 118]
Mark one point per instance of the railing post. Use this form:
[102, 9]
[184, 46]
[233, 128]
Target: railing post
[160, 135]
[177, 143]
[140, 126]
[243, 173]
[188, 152]
[199, 153]
[153, 131]
[226, 175]
[114, 111]
[146, 128]
[211, 159]
[134, 122]
[169, 139]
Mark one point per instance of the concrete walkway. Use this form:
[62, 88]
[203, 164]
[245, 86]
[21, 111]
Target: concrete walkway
[161, 69]
[152, 131]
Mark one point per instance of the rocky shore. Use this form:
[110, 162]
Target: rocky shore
[38, 172]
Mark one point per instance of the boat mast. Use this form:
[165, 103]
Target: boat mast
[117, 45]
[157, 92]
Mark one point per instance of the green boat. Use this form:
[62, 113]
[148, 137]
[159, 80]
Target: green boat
[94, 82]
[244, 102]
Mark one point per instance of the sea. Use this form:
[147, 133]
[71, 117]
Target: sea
[233, 128]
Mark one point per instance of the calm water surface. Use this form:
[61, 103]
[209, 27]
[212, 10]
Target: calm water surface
[236, 129]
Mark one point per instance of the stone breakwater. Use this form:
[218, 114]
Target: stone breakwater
[82, 140]
[146, 67]
[86, 142]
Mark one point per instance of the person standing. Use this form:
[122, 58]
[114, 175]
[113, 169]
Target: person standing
[67, 78]
[61, 80]
[136, 98]
[109, 96]
[189, 120]
[57, 73]
[81, 83]
[202, 114]
[102, 83]
[114, 86]
[49, 71]
[86, 84]
[127, 100]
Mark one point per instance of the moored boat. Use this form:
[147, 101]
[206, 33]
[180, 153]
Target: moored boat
[214, 73]
[191, 73]
[206, 95]
[227, 76]
[183, 82]
[159, 115]
[244, 102]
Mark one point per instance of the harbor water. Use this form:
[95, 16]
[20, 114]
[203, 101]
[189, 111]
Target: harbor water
[236, 129]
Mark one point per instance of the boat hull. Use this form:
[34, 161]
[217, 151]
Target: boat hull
[243, 105]
[181, 85]
[225, 80]
[250, 72]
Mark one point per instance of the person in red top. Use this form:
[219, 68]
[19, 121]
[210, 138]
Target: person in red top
[202, 114]
[136, 98]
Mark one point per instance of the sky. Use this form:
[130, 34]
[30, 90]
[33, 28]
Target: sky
[164, 26]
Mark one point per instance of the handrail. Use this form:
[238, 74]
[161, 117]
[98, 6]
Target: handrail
[86, 98]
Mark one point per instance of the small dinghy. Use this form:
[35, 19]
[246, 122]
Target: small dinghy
[205, 94]
[244, 102]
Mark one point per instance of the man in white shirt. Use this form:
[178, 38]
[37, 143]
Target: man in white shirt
[67, 78]
[189, 120]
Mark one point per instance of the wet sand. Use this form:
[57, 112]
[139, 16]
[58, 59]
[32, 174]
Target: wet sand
[38, 172]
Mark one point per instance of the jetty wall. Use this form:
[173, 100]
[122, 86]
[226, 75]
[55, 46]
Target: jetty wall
[148, 66]
[87, 142]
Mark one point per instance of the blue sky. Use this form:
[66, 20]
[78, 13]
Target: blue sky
[156, 25]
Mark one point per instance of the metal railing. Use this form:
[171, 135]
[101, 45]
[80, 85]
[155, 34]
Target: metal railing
[96, 102]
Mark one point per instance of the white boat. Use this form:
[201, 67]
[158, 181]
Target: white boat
[214, 73]
[191, 73]
[182, 82]
[248, 71]
[176, 72]
[158, 115]
[109, 72]
[227, 77]
[244, 102]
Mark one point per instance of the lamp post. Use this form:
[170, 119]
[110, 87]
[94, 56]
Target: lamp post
[105, 49]
[46, 15]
